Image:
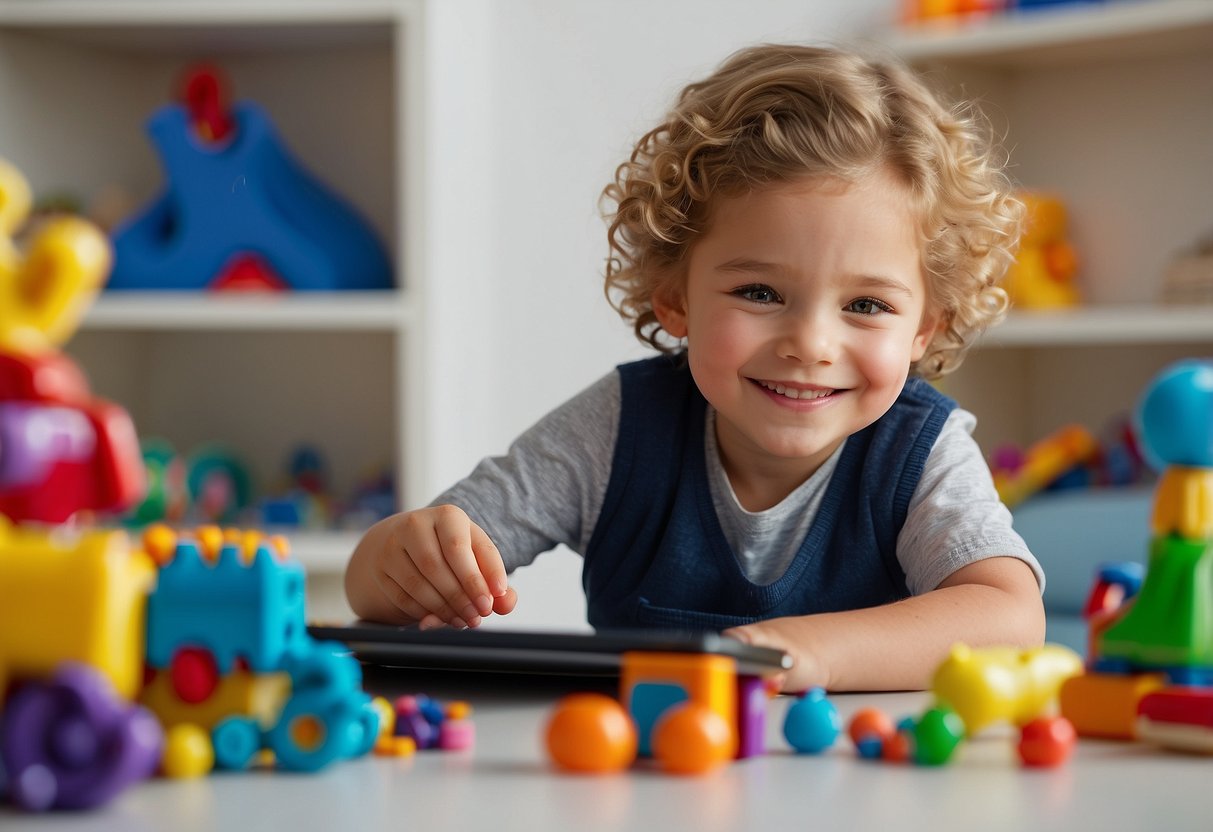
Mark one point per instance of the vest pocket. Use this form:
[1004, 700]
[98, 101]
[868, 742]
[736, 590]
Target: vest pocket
[691, 620]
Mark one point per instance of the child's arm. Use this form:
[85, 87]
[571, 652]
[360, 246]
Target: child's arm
[433, 566]
[899, 645]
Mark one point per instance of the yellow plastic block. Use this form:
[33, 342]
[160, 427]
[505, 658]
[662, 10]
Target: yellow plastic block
[260, 696]
[1183, 503]
[987, 685]
[1100, 705]
[709, 680]
[72, 597]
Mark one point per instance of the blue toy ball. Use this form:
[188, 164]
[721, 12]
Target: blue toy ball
[1175, 417]
[812, 723]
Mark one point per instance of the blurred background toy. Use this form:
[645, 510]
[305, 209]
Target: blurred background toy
[1189, 279]
[238, 210]
[219, 484]
[167, 496]
[1042, 276]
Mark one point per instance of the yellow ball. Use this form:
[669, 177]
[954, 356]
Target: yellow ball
[187, 752]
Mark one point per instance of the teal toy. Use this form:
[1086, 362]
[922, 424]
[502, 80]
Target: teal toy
[237, 205]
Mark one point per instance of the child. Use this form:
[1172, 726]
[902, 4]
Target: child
[815, 234]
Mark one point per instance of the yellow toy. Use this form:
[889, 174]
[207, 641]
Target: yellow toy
[72, 597]
[1003, 684]
[1042, 276]
[44, 294]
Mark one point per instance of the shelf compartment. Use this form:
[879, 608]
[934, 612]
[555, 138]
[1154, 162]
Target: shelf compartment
[1069, 35]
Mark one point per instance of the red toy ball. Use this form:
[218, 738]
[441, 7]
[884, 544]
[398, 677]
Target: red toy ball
[1047, 741]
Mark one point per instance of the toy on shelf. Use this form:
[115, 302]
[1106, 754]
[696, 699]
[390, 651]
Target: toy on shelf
[238, 211]
[1150, 668]
[690, 712]
[1019, 476]
[1189, 278]
[167, 497]
[1042, 276]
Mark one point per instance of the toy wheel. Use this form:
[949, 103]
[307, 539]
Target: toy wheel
[71, 743]
[314, 731]
[236, 740]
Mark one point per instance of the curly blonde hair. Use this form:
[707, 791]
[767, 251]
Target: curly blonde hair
[774, 113]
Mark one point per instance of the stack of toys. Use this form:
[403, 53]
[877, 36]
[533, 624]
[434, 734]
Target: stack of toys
[1150, 661]
[217, 621]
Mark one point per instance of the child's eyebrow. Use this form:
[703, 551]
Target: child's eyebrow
[746, 264]
[876, 281]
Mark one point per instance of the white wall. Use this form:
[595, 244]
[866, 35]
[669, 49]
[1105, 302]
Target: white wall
[533, 103]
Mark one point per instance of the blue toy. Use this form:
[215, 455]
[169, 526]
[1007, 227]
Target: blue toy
[812, 723]
[239, 200]
[1175, 418]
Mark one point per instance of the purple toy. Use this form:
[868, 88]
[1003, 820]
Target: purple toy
[71, 743]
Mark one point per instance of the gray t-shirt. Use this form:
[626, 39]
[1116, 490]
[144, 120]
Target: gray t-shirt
[549, 488]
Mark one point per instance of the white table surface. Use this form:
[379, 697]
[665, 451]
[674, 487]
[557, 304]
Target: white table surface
[506, 783]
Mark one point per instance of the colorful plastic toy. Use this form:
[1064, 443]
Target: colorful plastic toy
[690, 712]
[1002, 684]
[1047, 741]
[1042, 276]
[812, 724]
[1043, 463]
[1155, 652]
[237, 207]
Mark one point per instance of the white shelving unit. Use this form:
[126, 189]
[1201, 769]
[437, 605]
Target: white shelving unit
[1111, 107]
[343, 82]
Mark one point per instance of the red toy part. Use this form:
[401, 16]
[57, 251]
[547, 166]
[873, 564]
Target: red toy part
[1047, 741]
[194, 675]
[248, 273]
[1178, 717]
[204, 94]
[50, 378]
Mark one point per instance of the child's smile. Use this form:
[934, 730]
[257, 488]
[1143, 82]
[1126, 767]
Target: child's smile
[803, 308]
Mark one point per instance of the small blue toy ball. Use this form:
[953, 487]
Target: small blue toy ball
[812, 723]
[1175, 417]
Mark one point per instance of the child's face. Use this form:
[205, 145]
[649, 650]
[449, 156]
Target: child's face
[804, 306]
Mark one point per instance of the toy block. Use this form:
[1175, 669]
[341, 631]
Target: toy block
[651, 683]
[1183, 503]
[72, 597]
[259, 696]
[230, 607]
[1178, 717]
[1105, 706]
[1170, 624]
[752, 699]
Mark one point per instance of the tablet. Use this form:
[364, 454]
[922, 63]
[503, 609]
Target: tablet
[514, 651]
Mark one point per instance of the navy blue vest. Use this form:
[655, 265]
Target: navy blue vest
[658, 557]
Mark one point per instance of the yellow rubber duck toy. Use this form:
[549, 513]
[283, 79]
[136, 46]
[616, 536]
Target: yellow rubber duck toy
[1042, 276]
[44, 293]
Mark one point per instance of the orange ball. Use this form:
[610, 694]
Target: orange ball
[591, 733]
[870, 722]
[693, 739]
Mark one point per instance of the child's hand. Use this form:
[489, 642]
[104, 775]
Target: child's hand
[788, 635]
[438, 567]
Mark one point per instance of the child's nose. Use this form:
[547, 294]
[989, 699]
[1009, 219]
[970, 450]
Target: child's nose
[809, 338]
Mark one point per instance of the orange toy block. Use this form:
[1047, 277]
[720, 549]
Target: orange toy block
[652, 683]
[1106, 706]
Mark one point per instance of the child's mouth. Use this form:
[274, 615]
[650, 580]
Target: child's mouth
[796, 393]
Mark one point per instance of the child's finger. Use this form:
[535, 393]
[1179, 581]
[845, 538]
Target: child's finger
[505, 603]
[461, 581]
[405, 572]
[400, 599]
[489, 562]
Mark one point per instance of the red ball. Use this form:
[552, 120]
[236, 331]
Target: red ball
[1047, 741]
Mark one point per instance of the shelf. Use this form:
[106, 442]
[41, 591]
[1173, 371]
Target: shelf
[387, 311]
[1063, 35]
[1098, 326]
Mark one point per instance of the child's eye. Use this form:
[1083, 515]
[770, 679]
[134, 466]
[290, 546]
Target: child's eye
[868, 306]
[758, 293]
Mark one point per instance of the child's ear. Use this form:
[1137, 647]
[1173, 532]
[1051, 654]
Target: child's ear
[932, 323]
[669, 306]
